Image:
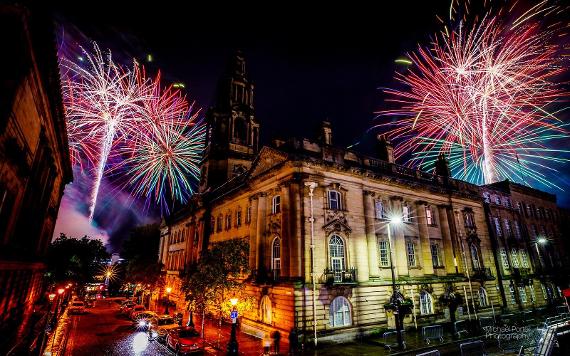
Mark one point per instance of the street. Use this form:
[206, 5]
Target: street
[102, 331]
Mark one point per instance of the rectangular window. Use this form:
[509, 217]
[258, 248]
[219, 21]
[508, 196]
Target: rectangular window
[228, 221]
[238, 218]
[517, 229]
[504, 259]
[534, 231]
[384, 251]
[524, 259]
[508, 231]
[219, 227]
[406, 214]
[334, 200]
[379, 209]
[411, 252]
[436, 255]
[507, 202]
[520, 208]
[544, 293]
[248, 215]
[513, 296]
[522, 294]
[498, 229]
[532, 293]
[515, 258]
[529, 211]
[429, 216]
[469, 223]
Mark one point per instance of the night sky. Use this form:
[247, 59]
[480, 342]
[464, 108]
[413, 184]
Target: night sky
[308, 63]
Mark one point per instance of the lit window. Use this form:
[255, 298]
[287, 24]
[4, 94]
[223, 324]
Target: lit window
[276, 255]
[497, 200]
[515, 258]
[248, 215]
[429, 216]
[384, 251]
[532, 294]
[411, 253]
[334, 200]
[426, 303]
[517, 229]
[544, 292]
[524, 259]
[379, 209]
[436, 255]
[406, 213]
[508, 231]
[504, 259]
[340, 312]
[276, 205]
[336, 252]
[512, 294]
[498, 229]
[483, 299]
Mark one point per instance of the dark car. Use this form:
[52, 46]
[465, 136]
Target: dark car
[185, 340]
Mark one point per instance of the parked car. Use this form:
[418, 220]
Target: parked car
[134, 310]
[127, 308]
[160, 326]
[185, 340]
[77, 307]
[142, 319]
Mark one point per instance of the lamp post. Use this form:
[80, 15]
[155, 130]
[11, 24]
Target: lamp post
[396, 296]
[542, 241]
[233, 344]
[312, 186]
[168, 290]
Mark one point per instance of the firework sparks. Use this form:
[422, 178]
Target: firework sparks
[481, 97]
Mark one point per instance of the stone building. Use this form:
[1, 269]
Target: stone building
[313, 210]
[524, 224]
[35, 163]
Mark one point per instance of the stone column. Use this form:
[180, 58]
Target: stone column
[295, 238]
[190, 242]
[447, 243]
[400, 255]
[285, 234]
[370, 228]
[253, 233]
[425, 256]
[260, 230]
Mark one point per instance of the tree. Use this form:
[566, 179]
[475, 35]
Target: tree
[217, 277]
[73, 259]
[139, 251]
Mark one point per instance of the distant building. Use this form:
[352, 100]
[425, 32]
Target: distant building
[263, 196]
[35, 163]
[525, 227]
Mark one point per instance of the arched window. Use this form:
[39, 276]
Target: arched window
[483, 298]
[276, 255]
[334, 200]
[336, 252]
[340, 312]
[475, 256]
[276, 204]
[426, 303]
[265, 310]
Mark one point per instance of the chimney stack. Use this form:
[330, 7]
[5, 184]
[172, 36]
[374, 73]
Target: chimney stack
[326, 133]
[385, 149]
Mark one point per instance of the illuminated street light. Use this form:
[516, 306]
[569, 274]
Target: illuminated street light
[541, 240]
[395, 299]
[60, 291]
[51, 297]
[168, 290]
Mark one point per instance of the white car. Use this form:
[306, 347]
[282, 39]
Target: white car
[77, 307]
[160, 326]
[142, 319]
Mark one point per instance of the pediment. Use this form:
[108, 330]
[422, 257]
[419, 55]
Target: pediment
[337, 223]
[266, 159]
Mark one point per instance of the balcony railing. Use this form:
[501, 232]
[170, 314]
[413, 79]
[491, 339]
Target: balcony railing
[340, 276]
[521, 272]
[483, 273]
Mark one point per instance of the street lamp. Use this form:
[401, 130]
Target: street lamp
[168, 290]
[312, 186]
[542, 241]
[396, 296]
[233, 344]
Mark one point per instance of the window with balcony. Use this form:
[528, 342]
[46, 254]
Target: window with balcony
[339, 314]
[483, 298]
[336, 253]
[504, 259]
[436, 255]
[426, 303]
[276, 204]
[379, 209]
[411, 253]
[384, 250]
[334, 200]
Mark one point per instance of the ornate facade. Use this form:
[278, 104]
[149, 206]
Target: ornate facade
[335, 233]
[35, 163]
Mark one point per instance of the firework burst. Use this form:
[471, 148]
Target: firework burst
[480, 94]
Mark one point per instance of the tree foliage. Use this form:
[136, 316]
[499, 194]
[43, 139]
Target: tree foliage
[140, 252]
[74, 259]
